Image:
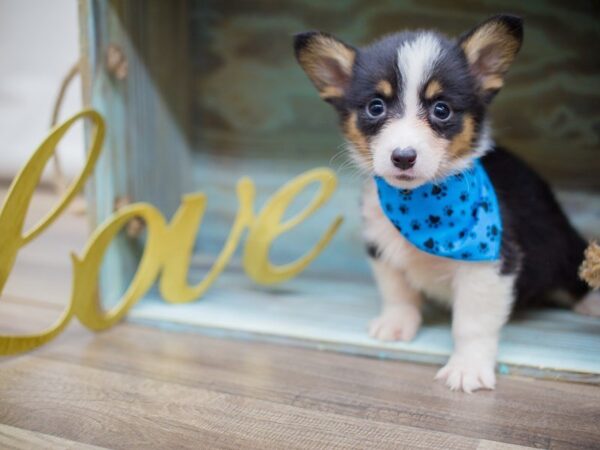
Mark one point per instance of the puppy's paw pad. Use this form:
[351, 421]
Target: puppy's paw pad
[396, 325]
[467, 376]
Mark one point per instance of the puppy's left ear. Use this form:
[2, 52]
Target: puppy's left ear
[490, 49]
[327, 61]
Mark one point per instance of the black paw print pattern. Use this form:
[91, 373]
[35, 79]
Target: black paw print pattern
[483, 205]
[406, 194]
[453, 218]
[439, 191]
[492, 232]
[433, 221]
[432, 245]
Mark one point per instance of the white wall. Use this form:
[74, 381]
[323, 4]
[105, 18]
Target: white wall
[39, 42]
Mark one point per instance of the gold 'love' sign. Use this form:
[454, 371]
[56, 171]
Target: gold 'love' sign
[168, 248]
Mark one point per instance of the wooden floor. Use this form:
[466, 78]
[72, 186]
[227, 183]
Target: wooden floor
[137, 387]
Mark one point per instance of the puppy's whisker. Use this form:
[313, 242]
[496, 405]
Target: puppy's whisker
[341, 152]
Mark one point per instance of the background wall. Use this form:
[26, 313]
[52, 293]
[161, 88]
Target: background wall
[38, 44]
[251, 98]
[217, 81]
[558, 70]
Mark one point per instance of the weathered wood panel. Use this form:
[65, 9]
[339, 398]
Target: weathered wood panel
[250, 97]
[333, 314]
[218, 81]
[255, 112]
[136, 76]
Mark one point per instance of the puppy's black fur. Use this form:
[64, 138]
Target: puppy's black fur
[539, 243]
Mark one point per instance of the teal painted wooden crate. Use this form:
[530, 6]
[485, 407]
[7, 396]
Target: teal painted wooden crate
[197, 94]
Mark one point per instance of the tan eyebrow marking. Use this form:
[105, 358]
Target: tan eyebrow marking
[433, 88]
[384, 87]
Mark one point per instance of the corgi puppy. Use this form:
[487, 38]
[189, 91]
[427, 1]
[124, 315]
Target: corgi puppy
[448, 215]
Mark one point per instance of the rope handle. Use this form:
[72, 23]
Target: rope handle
[59, 181]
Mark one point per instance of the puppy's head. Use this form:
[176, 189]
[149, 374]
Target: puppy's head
[412, 105]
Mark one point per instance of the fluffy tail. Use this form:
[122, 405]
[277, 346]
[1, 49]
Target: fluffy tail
[590, 269]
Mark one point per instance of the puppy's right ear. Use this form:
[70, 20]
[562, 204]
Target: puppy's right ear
[327, 61]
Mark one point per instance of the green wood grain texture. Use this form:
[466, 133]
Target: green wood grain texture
[251, 98]
[255, 112]
[145, 157]
[213, 93]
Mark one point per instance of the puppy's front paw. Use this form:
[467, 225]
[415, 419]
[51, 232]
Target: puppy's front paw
[467, 374]
[396, 323]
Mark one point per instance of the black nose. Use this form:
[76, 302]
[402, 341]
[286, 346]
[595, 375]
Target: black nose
[404, 158]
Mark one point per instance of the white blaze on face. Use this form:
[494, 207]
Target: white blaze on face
[416, 60]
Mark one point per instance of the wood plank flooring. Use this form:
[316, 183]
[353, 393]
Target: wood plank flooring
[138, 387]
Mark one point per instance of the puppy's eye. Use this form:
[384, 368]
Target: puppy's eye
[376, 108]
[441, 111]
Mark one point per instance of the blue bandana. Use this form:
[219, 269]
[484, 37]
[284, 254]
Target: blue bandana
[458, 218]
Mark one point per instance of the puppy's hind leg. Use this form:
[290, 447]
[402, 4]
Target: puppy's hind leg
[400, 317]
[589, 305]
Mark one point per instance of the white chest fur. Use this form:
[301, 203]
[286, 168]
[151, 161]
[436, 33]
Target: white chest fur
[429, 274]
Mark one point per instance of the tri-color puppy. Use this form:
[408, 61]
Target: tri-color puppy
[413, 107]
